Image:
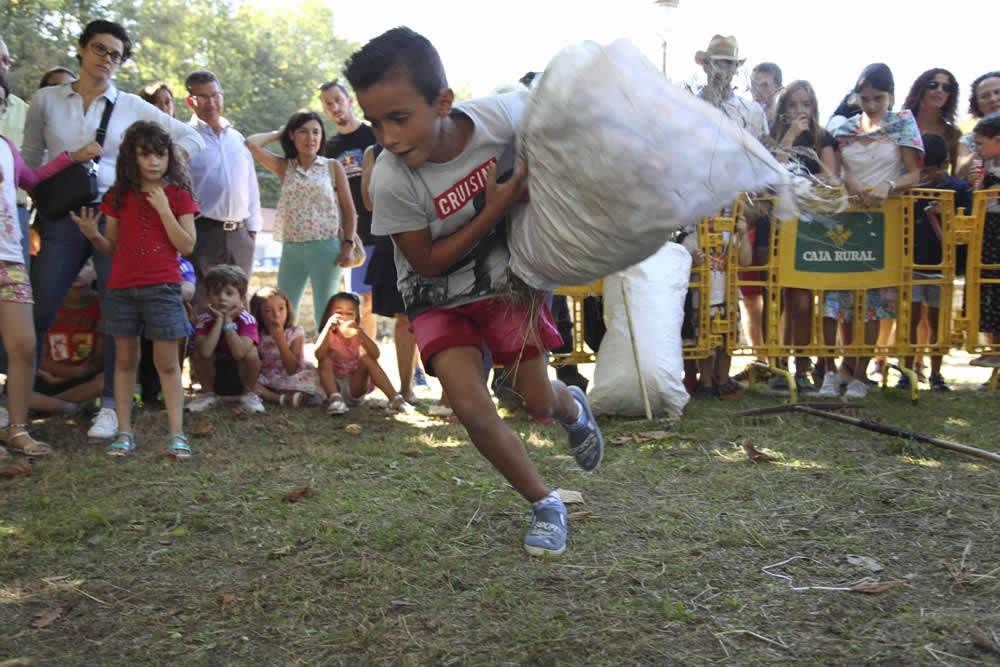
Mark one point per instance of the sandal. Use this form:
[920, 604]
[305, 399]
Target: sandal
[121, 447]
[178, 446]
[336, 406]
[32, 448]
[294, 400]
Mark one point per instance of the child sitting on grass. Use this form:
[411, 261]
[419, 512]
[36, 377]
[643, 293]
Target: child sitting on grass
[435, 191]
[225, 356]
[286, 377]
[348, 358]
[72, 370]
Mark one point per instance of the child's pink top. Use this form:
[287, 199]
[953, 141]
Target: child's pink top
[345, 354]
[246, 325]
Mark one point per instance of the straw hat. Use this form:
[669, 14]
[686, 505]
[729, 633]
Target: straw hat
[720, 48]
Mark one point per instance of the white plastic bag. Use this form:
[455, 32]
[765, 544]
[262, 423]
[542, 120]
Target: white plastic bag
[656, 290]
[618, 157]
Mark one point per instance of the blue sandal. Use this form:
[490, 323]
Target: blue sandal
[121, 447]
[178, 446]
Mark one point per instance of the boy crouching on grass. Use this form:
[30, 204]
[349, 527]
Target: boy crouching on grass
[452, 259]
[225, 356]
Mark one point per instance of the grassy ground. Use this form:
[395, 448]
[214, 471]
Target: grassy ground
[407, 549]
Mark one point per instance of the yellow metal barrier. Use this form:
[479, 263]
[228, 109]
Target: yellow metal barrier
[856, 250]
[574, 297]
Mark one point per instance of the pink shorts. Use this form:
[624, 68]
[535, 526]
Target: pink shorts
[500, 322]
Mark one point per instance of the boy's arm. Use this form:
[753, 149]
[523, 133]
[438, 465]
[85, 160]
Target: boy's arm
[206, 343]
[239, 345]
[432, 257]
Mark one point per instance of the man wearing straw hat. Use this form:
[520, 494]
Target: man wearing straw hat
[720, 61]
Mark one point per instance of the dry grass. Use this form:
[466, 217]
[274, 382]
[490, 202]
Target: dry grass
[417, 559]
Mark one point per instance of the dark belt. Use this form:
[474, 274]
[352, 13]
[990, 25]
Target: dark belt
[227, 225]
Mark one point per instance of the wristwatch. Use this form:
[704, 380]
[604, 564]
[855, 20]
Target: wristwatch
[892, 186]
[351, 241]
[229, 327]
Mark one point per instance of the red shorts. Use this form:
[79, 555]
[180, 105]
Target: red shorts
[499, 322]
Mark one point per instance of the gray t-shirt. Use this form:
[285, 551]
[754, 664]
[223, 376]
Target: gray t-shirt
[444, 197]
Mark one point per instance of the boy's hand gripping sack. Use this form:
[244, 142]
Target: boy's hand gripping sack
[618, 158]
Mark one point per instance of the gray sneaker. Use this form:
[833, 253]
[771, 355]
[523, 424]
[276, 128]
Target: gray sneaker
[778, 385]
[804, 384]
[547, 535]
[585, 442]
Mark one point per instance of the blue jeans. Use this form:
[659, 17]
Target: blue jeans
[315, 261]
[64, 251]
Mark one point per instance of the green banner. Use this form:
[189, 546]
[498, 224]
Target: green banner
[840, 243]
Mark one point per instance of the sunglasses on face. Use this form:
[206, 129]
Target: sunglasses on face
[934, 85]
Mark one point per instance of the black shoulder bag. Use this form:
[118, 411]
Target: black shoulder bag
[76, 185]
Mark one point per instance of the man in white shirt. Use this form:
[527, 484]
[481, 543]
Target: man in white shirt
[12, 127]
[225, 183]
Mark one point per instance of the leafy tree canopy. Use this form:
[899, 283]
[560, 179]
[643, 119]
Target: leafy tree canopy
[270, 63]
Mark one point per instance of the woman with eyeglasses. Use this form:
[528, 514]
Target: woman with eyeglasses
[64, 118]
[933, 98]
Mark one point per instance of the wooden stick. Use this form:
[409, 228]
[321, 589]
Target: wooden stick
[635, 353]
[900, 433]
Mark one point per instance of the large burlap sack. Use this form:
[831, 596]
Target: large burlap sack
[619, 157]
[656, 289]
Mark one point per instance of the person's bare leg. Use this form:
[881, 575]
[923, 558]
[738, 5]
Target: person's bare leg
[370, 368]
[249, 370]
[460, 371]
[543, 397]
[171, 385]
[204, 369]
[406, 354]
[908, 361]
[126, 367]
[19, 341]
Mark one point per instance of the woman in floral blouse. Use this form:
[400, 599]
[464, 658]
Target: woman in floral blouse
[310, 211]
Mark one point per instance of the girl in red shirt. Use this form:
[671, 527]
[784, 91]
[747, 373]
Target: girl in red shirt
[150, 213]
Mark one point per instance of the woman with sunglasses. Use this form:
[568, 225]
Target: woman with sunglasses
[933, 98]
[984, 100]
[64, 118]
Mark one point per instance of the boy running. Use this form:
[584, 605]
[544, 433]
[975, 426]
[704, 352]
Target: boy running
[435, 191]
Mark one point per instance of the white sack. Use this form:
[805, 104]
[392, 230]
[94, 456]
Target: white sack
[618, 157]
[656, 290]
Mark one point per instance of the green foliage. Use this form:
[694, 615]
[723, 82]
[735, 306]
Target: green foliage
[269, 63]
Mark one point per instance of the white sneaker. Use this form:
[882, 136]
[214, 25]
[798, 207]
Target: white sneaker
[829, 388]
[251, 402]
[105, 424]
[856, 389]
[201, 402]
